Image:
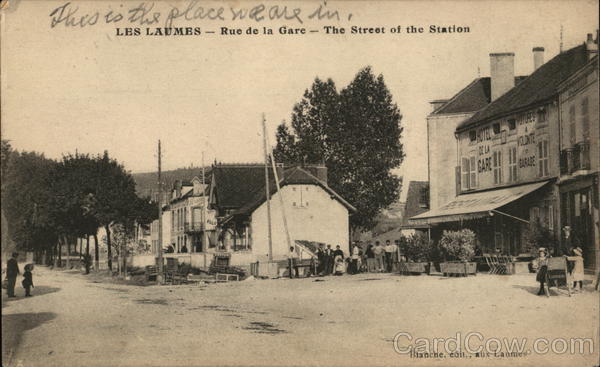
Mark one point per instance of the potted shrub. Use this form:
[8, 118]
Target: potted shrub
[417, 250]
[459, 249]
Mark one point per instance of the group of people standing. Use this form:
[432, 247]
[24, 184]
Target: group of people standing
[574, 258]
[330, 261]
[372, 258]
[381, 258]
[12, 272]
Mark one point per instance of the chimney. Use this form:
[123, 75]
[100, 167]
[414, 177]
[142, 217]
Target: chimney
[538, 57]
[591, 46]
[502, 73]
[437, 104]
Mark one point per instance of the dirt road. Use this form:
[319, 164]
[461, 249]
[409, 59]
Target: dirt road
[349, 320]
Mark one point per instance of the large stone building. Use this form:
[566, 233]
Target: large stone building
[579, 182]
[507, 156]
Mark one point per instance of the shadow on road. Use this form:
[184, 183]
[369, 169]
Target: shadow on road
[14, 325]
[20, 292]
[530, 289]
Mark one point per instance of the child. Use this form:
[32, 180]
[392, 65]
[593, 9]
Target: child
[27, 280]
[577, 272]
[542, 269]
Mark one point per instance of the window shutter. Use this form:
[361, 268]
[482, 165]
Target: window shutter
[473, 178]
[465, 174]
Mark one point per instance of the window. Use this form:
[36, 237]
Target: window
[469, 175]
[472, 135]
[585, 119]
[424, 197]
[541, 115]
[572, 128]
[512, 164]
[496, 128]
[497, 167]
[543, 158]
[464, 183]
[512, 124]
[473, 178]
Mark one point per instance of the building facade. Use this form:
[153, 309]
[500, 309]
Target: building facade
[508, 155]
[579, 182]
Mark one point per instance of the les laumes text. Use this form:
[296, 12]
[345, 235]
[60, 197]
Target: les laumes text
[159, 31]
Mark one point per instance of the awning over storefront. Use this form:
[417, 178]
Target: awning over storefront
[475, 205]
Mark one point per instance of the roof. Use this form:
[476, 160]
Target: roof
[291, 176]
[236, 183]
[539, 87]
[476, 205]
[472, 98]
[413, 202]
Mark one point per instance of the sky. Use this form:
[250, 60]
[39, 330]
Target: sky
[87, 89]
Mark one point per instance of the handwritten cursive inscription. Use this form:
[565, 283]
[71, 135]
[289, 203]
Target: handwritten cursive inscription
[149, 13]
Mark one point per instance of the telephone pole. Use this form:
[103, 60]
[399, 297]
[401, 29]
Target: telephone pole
[204, 203]
[159, 277]
[267, 191]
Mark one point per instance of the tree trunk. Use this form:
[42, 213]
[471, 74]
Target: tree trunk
[109, 247]
[80, 240]
[96, 253]
[87, 255]
[68, 252]
[59, 253]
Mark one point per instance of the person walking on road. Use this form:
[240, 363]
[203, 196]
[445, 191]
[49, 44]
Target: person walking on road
[12, 271]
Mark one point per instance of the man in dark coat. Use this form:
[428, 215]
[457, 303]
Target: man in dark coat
[12, 271]
[322, 260]
[329, 260]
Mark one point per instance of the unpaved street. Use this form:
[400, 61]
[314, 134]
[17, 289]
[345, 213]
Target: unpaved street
[348, 320]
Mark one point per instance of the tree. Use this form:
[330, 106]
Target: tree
[26, 199]
[73, 200]
[117, 201]
[356, 133]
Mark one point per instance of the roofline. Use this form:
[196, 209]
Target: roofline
[553, 97]
[564, 85]
[460, 92]
[317, 182]
[498, 115]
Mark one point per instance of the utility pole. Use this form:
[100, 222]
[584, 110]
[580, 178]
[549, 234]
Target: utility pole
[159, 277]
[267, 191]
[204, 203]
[285, 224]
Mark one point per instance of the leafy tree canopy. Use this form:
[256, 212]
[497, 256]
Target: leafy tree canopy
[356, 133]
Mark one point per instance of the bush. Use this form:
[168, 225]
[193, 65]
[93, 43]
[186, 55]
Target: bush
[417, 248]
[458, 245]
[539, 236]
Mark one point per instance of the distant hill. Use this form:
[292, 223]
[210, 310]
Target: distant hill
[145, 183]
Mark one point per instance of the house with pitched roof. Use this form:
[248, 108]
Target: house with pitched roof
[313, 211]
[507, 156]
